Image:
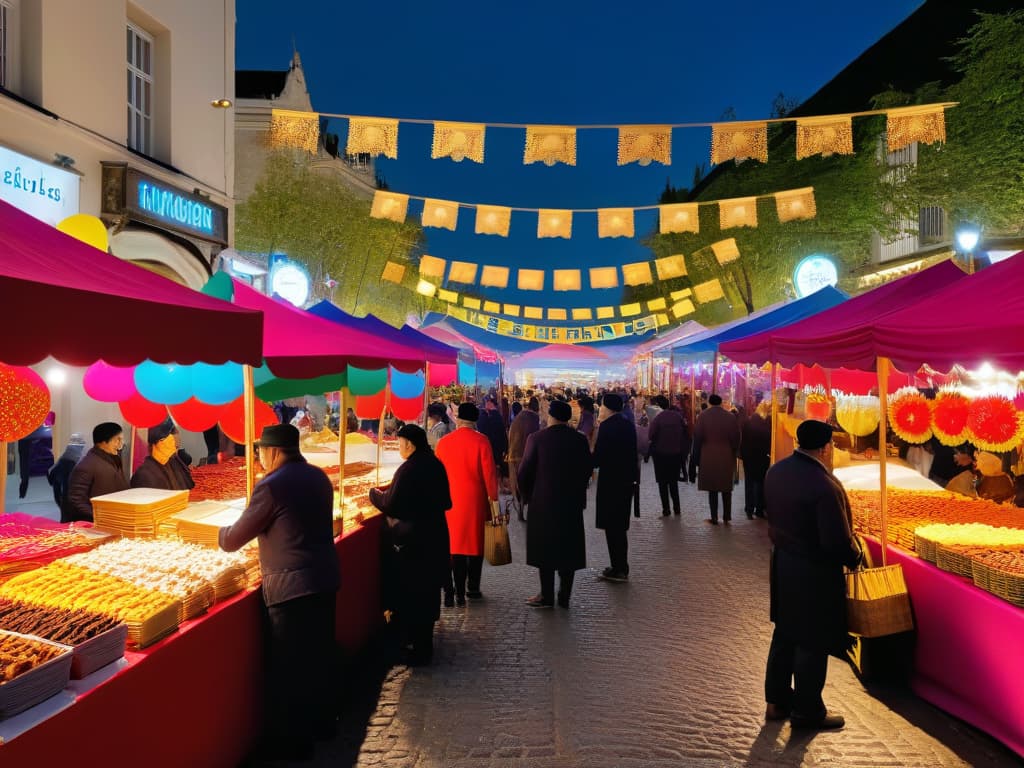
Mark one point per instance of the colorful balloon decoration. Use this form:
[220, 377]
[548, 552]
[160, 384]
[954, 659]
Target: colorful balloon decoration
[232, 418]
[370, 406]
[195, 416]
[24, 402]
[995, 423]
[142, 413]
[407, 409]
[406, 385]
[217, 384]
[109, 383]
[362, 382]
[86, 228]
[949, 417]
[168, 384]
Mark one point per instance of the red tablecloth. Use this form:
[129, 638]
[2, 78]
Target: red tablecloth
[967, 659]
[196, 697]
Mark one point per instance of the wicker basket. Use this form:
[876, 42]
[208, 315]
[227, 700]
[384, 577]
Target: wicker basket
[877, 602]
[956, 559]
[926, 548]
[1000, 583]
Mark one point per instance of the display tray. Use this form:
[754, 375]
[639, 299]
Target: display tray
[155, 627]
[99, 651]
[37, 684]
[136, 512]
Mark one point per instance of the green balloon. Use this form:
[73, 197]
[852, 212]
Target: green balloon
[220, 286]
[362, 382]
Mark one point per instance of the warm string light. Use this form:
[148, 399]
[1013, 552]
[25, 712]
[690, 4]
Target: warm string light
[925, 124]
[824, 136]
[296, 130]
[739, 141]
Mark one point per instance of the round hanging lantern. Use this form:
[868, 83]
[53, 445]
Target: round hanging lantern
[142, 413]
[817, 407]
[910, 415]
[949, 417]
[995, 423]
[109, 383]
[858, 415]
[232, 419]
[24, 402]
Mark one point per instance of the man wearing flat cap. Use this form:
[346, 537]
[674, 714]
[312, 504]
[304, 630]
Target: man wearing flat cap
[615, 458]
[163, 468]
[811, 531]
[99, 472]
[291, 514]
[469, 462]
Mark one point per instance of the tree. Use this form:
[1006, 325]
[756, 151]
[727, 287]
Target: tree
[318, 221]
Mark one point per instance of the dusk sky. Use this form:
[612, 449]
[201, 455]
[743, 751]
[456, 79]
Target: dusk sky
[569, 63]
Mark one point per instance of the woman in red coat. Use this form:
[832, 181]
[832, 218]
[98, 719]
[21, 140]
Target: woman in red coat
[473, 479]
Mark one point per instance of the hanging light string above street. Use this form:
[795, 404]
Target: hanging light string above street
[551, 144]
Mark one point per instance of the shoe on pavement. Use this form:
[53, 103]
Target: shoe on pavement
[610, 574]
[776, 712]
[460, 600]
[538, 601]
[665, 513]
[828, 721]
[474, 594]
[449, 600]
[711, 521]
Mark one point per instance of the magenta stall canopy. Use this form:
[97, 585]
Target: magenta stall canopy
[299, 345]
[79, 305]
[846, 334]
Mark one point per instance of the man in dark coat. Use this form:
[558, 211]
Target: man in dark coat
[492, 426]
[755, 452]
[668, 440]
[523, 425]
[615, 458]
[716, 440]
[291, 513]
[812, 539]
[99, 472]
[163, 468]
[416, 540]
[553, 477]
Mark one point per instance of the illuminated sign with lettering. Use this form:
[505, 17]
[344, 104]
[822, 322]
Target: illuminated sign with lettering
[39, 189]
[813, 273]
[173, 207]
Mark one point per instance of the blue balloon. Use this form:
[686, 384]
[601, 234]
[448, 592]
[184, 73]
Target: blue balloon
[217, 384]
[166, 384]
[406, 385]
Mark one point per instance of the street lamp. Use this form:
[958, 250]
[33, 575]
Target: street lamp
[967, 239]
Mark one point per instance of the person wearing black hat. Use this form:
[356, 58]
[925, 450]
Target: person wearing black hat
[416, 556]
[492, 426]
[163, 468]
[523, 425]
[616, 460]
[473, 479]
[716, 443]
[291, 514]
[99, 472]
[553, 478]
[810, 525]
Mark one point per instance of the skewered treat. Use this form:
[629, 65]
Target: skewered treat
[67, 627]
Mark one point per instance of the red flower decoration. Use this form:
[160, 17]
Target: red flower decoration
[24, 402]
[949, 417]
[910, 415]
[994, 423]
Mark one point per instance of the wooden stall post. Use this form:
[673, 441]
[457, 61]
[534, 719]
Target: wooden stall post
[714, 375]
[342, 442]
[380, 431]
[249, 403]
[693, 399]
[426, 394]
[883, 429]
[671, 371]
[775, 407]
[131, 451]
[650, 372]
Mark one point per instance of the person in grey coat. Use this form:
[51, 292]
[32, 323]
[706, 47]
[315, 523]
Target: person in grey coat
[553, 478]
[716, 441]
[615, 458]
[811, 532]
[526, 422]
[291, 513]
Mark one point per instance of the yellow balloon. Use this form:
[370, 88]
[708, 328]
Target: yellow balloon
[88, 229]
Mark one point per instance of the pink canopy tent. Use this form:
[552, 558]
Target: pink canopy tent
[560, 354]
[299, 345]
[80, 305]
[443, 332]
[845, 334]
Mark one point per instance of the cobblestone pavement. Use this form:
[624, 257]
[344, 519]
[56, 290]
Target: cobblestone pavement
[666, 670]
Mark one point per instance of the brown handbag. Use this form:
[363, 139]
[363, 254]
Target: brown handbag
[497, 548]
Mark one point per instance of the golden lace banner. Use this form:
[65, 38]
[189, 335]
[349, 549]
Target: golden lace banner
[559, 334]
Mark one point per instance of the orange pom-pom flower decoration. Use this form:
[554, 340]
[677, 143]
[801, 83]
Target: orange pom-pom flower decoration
[24, 402]
[995, 423]
[910, 415]
[949, 417]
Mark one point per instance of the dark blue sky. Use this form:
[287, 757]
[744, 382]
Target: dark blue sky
[560, 62]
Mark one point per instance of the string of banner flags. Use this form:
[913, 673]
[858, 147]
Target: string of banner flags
[643, 144]
[790, 205]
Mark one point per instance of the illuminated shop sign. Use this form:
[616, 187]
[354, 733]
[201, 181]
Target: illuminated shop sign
[39, 189]
[813, 273]
[174, 207]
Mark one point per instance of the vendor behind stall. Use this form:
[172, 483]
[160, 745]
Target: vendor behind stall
[99, 472]
[165, 467]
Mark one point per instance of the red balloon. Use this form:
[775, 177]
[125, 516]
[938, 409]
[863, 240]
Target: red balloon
[140, 412]
[24, 402]
[232, 418]
[407, 408]
[370, 406]
[195, 415]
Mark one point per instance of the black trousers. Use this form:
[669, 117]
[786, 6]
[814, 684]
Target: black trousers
[795, 676]
[547, 585]
[726, 504]
[466, 571]
[301, 670]
[753, 493]
[618, 549]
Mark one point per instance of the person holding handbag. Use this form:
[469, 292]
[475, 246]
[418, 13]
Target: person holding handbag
[810, 525]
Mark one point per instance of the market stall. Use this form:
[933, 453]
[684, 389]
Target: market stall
[961, 557]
